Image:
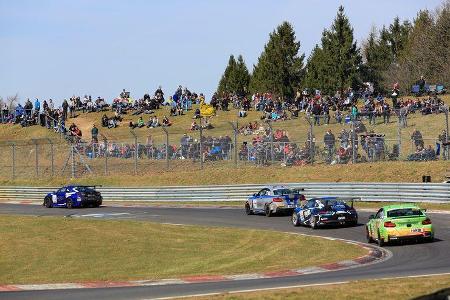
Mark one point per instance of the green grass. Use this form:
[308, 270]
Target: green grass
[188, 173]
[54, 249]
[402, 288]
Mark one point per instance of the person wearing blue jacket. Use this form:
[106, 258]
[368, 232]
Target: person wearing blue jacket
[37, 105]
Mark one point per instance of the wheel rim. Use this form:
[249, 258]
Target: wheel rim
[294, 219]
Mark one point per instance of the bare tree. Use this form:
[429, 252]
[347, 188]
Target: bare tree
[12, 101]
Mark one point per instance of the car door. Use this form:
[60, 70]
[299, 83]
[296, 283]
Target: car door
[377, 222]
[61, 195]
[256, 200]
[305, 213]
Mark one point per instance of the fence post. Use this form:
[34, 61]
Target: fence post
[135, 152]
[167, 147]
[52, 157]
[235, 131]
[13, 148]
[272, 154]
[105, 141]
[353, 137]
[446, 148]
[399, 135]
[311, 142]
[201, 144]
[72, 160]
[36, 156]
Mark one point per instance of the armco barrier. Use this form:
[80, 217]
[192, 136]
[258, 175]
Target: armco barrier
[404, 192]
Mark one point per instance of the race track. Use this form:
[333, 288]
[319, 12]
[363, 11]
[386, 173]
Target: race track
[407, 260]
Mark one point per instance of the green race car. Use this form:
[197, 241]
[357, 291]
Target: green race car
[399, 222]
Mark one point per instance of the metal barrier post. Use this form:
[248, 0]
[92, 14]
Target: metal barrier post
[311, 142]
[399, 135]
[447, 148]
[52, 157]
[167, 147]
[272, 154]
[235, 131]
[72, 160]
[135, 152]
[354, 150]
[13, 148]
[36, 156]
[105, 141]
[201, 144]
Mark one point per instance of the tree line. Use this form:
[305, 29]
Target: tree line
[400, 52]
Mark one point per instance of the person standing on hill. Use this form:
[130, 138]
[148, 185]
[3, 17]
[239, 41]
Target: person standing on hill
[65, 107]
[94, 134]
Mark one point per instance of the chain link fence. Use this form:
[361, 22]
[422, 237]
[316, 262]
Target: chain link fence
[265, 145]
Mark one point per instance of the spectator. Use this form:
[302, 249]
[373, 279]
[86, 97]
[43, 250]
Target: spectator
[416, 137]
[65, 107]
[37, 105]
[329, 141]
[166, 122]
[421, 83]
[94, 134]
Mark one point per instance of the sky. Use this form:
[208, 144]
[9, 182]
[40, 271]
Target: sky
[56, 49]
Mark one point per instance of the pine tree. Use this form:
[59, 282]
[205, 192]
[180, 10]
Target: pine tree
[226, 83]
[337, 66]
[341, 58]
[280, 67]
[235, 78]
[314, 69]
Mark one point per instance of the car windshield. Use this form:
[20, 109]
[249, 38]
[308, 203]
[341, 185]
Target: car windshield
[84, 189]
[279, 192]
[333, 202]
[404, 212]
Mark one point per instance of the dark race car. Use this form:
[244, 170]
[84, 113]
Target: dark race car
[325, 211]
[74, 196]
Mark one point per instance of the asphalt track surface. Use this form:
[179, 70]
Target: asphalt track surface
[407, 260]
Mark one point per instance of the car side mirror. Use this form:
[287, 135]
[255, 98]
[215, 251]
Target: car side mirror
[254, 195]
[371, 217]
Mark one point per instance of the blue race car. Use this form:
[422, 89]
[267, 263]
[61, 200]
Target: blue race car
[74, 196]
[325, 211]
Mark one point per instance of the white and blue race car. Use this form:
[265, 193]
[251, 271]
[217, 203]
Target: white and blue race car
[325, 211]
[274, 199]
[73, 196]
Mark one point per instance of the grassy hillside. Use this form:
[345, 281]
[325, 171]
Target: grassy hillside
[429, 125]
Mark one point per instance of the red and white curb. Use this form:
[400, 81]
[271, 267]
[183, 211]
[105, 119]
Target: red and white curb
[375, 255]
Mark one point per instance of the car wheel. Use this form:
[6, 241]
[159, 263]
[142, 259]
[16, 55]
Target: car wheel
[48, 202]
[268, 211]
[69, 203]
[380, 240]
[313, 222]
[295, 220]
[430, 239]
[248, 210]
[368, 237]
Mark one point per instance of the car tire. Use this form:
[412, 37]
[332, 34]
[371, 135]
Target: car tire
[248, 210]
[268, 211]
[295, 219]
[69, 203]
[313, 222]
[48, 202]
[380, 241]
[430, 239]
[368, 237]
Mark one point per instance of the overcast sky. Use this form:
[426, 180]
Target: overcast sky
[54, 49]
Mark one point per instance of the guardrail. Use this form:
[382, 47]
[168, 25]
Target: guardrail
[402, 192]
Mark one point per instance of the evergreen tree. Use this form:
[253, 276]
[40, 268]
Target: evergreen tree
[226, 83]
[340, 55]
[377, 58]
[280, 67]
[314, 69]
[235, 78]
